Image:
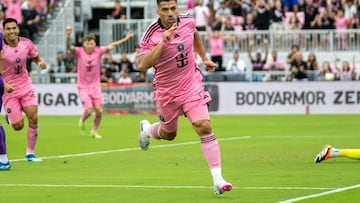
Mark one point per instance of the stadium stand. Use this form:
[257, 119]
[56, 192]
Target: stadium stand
[323, 42]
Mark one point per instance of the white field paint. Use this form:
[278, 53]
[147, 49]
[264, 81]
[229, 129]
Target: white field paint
[158, 187]
[320, 194]
[132, 149]
[333, 190]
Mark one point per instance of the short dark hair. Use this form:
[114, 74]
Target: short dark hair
[10, 20]
[159, 1]
[295, 46]
[90, 37]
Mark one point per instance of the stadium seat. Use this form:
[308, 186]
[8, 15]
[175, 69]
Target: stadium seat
[115, 75]
[215, 77]
[134, 76]
[149, 77]
[235, 77]
[312, 76]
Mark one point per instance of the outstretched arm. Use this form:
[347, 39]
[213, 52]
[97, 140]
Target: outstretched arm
[222, 30]
[266, 44]
[335, 62]
[208, 30]
[353, 63]
[40, 62]
[69, 47]
[249, 49]
[121, 41]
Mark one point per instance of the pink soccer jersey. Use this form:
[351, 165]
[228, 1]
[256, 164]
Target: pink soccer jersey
[88, 66]
[13, 10]
[176, 69]
[216, 46]
[15, 72]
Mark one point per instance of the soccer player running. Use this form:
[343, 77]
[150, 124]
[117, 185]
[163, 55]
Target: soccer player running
[169, 45]
[4, 161]
[19, 91]
[330, 152]
[88, 77]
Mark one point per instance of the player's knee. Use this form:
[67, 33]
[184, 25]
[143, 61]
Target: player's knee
[202, 126]
[88, 112]
[33, 119]
[99, 111]
[18, 126]
[168, 136]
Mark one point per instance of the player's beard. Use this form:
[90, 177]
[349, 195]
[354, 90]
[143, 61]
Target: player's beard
[13, 36]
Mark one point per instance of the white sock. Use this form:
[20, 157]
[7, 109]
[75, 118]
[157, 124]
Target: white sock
[334, 152]
[3, 158]
[216, 174]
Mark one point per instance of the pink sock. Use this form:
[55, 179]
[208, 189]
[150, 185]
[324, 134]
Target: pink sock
[32, 135]
[97, 121]
[154, 131]
[211, 151]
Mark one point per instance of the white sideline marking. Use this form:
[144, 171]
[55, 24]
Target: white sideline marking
[320, 194]
[158, 187]
[132, 149]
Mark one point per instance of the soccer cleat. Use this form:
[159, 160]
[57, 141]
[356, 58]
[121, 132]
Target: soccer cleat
[82, 127]
[324, 154]
[95, 135]
[5, 166]
[32, 158]
[7, 119]
[144, 138]
[222, 186]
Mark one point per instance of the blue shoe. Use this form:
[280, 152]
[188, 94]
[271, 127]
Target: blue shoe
[32, 158]
[5, 166]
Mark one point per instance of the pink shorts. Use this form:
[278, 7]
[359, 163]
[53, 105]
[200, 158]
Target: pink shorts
[194, 108]
[90, 97]
[14, 104]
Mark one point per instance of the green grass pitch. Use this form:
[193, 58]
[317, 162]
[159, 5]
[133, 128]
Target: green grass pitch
[267, 158]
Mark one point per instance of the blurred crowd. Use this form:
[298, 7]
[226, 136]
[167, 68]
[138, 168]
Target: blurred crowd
[218, 18]
[31, 15]
[276, 14]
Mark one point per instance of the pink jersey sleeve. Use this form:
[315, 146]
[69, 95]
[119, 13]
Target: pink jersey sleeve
[32, 50]
[77, 51]
[102, 50]
[146, 44]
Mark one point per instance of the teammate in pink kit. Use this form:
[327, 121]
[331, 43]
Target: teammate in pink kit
[169, 45]
[19, 91]
[88, 77]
